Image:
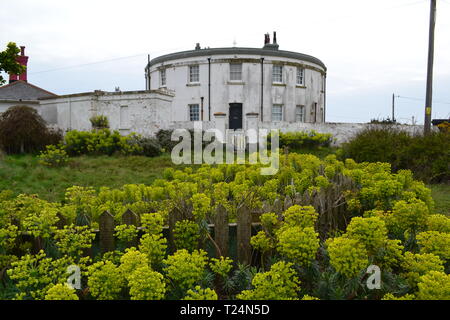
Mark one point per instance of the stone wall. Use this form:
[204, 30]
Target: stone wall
[342, 132]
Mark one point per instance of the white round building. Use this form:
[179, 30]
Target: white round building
[223, 88]
[267, 84]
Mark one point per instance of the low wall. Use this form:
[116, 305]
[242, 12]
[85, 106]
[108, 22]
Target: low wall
[342, 132]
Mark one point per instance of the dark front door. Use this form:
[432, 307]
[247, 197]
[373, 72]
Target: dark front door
[235, 119]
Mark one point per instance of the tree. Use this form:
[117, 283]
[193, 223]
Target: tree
[8, 62]
[22, 130]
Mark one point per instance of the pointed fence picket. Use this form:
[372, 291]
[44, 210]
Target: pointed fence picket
[329, 203]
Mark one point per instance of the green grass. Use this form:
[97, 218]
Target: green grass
[24, 174]
[441, 196]
[320, 152]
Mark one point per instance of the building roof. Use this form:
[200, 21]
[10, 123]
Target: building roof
[22, 90]
[106, 93]
[235, 50]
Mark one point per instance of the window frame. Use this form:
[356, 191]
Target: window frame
[191, 113]
[280, 74]
[162, 75]
[300, 74]
[191, 74]
[235, 72]
[302, 113]
[276, 105]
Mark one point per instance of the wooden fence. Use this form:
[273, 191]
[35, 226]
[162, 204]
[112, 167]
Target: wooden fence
[329, 203]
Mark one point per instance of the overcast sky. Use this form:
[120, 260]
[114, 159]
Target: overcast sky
[372, 48]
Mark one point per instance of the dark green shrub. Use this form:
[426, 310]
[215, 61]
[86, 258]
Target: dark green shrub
[427, 156]
[22, 130]
[303, 140]
[148, 147]
[164, 139]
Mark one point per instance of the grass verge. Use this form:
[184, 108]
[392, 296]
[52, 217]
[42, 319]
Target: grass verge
[24, 174]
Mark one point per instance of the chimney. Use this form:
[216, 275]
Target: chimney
[268, 45]
[22, 60]
[266, 38]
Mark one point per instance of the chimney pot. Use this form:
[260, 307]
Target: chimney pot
[22, 59]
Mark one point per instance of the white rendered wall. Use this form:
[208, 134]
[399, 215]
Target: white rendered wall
[146, 112]
[247, 91]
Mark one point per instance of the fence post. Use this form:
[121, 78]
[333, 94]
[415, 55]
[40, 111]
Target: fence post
[106, 232]
[174, 216]
[130, 218]
[278, 208]
[221, 231]
[61, 221]
[244, 233]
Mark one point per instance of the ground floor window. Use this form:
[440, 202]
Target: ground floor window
[277, 112]
[194, 112]
[300, 113]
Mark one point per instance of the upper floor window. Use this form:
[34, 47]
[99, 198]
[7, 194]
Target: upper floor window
[194, 75]
[162, 77]
[277, 112]
[277, 74]
[235, 71]
[194, 112]
[300, 76]
[300, 113]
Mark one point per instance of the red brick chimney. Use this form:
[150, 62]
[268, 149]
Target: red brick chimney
[23, 60]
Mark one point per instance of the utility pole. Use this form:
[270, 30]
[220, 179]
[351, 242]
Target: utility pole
[393, 107]
[429, 96]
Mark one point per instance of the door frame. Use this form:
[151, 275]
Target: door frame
[234, 105]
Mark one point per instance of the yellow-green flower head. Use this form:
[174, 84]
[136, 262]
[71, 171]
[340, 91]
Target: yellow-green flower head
[61, 292]
[347, 256]
[280, 283]
[435, 242]
[371, 232]
[434, 285]
[298, 245]
[299, 216]
[438, 222]
[201, 294]
[417, 265]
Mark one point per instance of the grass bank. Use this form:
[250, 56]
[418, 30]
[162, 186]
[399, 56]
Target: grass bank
[24, 174]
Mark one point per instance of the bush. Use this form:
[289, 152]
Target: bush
[99, 122]
[53, 157]
[105, 141]
[22, 130]
[304, 140]
[164, 138]
[427, 156]
[148, 147]
[398, 233]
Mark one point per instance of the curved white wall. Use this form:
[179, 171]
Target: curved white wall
[247, 91]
